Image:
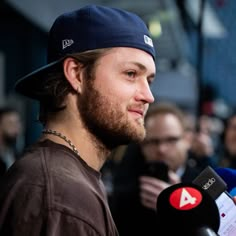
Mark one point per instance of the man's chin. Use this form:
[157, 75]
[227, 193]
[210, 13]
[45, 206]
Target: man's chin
[140, 121]
[140, 134]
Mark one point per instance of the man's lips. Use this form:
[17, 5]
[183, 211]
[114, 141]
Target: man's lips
[139, 112]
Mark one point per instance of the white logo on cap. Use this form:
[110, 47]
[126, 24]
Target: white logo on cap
[148, 40]
[66, 43]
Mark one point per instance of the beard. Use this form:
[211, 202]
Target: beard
[106, 121]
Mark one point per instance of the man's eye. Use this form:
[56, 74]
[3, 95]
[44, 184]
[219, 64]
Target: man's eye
[131, 73]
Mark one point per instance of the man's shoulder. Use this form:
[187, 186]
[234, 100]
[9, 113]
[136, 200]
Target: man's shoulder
[39, 154]
[46, 181]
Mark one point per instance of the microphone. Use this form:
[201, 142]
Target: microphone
[229, 176]
[217, 183]
[204, 231]
[186, 209]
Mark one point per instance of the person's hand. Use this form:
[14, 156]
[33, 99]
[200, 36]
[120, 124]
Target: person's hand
[151, 187]
[202, 145]
[234, 199]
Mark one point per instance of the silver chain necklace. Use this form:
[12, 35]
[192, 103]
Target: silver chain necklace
[60, 135]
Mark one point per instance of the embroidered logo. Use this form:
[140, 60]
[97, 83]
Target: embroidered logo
[66, 43]
[148, 40]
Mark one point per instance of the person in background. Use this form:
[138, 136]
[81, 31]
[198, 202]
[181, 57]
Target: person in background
[140, 175]
[10, 130]
[227, 156]
[93, 96]
[202, 151]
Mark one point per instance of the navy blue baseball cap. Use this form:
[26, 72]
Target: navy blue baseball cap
[88, 28]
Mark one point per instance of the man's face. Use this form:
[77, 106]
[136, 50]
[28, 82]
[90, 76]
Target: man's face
[165, 141]
[114, 104]
[230, 136]
[11, 127]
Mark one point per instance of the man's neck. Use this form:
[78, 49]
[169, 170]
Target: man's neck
[89, 148]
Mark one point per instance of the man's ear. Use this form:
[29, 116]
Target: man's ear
[73, 73]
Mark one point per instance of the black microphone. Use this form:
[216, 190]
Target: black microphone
[219, 184]
[186, 209]
[204, 231]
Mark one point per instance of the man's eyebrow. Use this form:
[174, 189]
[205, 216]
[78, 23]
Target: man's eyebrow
[143, 68]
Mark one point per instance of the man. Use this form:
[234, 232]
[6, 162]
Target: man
[227, 156]
[10, 130]
[148, 168]
[93, 94]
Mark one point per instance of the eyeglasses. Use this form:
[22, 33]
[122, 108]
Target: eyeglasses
[171, 140]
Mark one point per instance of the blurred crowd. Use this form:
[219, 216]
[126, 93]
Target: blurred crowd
[177, 147]
[11, 137]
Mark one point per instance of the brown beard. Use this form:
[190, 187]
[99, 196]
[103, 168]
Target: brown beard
[105, 120]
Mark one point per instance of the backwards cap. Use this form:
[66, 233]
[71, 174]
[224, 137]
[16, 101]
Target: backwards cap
[88, 28]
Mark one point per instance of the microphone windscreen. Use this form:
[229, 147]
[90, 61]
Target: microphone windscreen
[228, 175]
[184, 208]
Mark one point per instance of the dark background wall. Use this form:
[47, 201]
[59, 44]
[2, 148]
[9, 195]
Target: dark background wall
[23, 46]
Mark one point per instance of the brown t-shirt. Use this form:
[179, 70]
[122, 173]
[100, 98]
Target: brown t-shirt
[53, 192]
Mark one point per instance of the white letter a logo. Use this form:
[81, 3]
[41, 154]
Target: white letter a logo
[186, 198]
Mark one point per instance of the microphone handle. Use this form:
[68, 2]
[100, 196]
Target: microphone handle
[204, 231]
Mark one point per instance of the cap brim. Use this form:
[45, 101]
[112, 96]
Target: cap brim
[31, 85]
